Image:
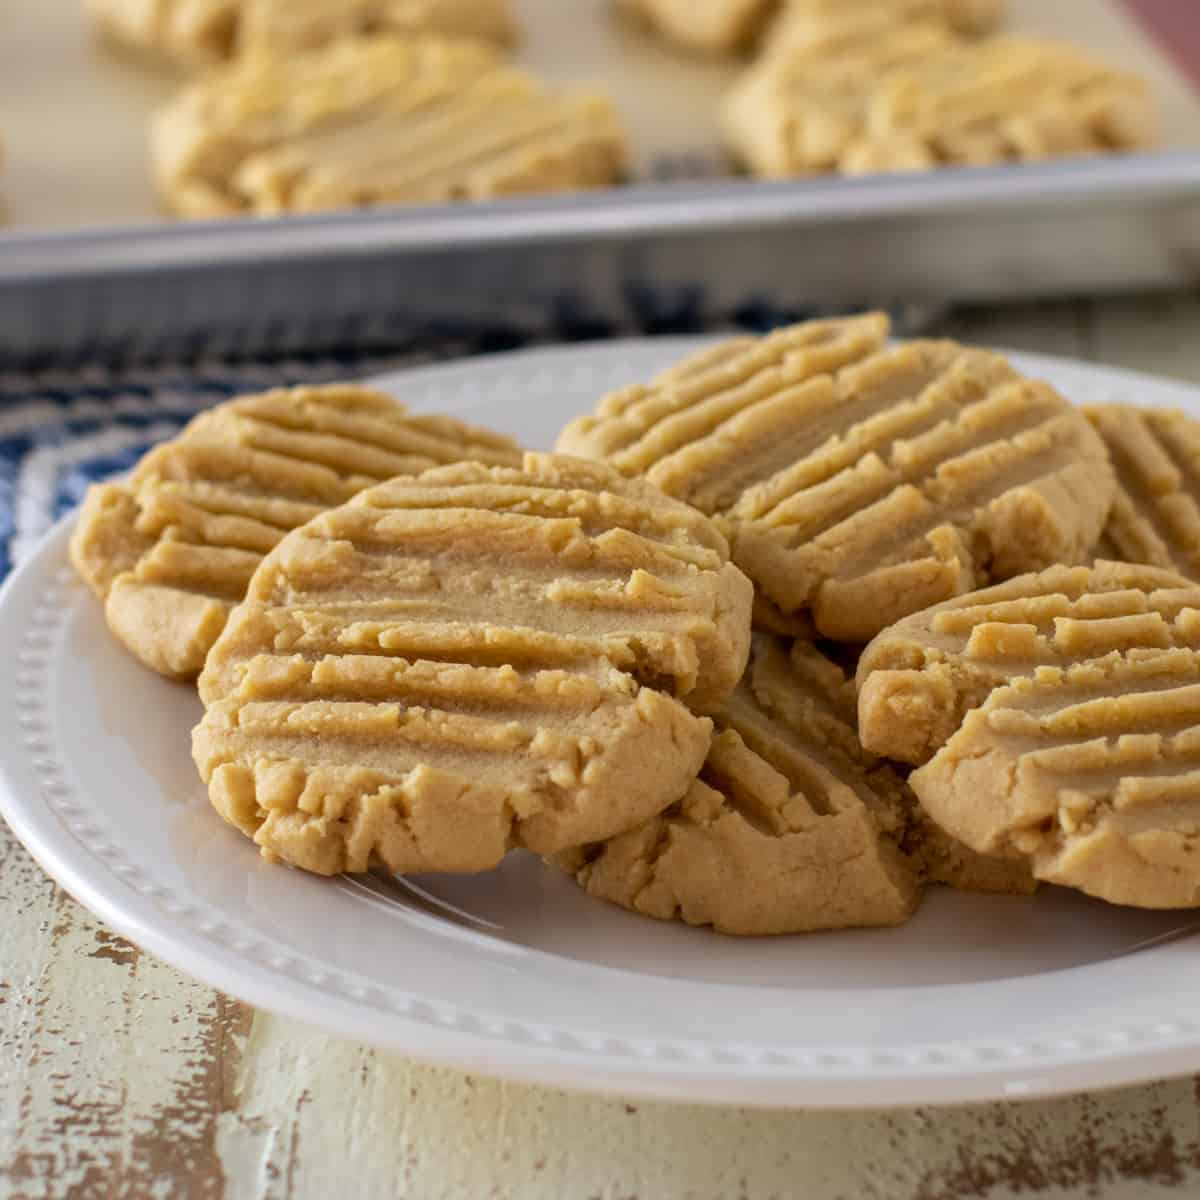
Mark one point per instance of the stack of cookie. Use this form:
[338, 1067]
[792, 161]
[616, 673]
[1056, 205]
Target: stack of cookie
[928, 501]
[419, 650]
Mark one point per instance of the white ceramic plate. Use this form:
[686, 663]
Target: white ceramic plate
[516, 973]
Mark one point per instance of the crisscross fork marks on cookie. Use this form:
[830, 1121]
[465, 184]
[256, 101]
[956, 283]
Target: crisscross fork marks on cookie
[1091, 772]
[790, 827]
[288, 26]
[859, 482]
[708, 26]
[173, 549]
[376, 120]
[1004, 99]
[562, 565]
[497, 633]
[1156, 515]
[825, 31]
[918, 679]
[694, 431]
[958, 471]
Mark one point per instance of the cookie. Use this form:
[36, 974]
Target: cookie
[197, 33]
[919, 96]
[1000, 100]
[803, 112]
[474, 659]
[373, 121]
[1155, 516]
[919, 679]
[707, 26]
[858, 482]
[1089, 772]
[288, 26]
[822, 29]
[769, 618]
[174, 548]
[790, 827]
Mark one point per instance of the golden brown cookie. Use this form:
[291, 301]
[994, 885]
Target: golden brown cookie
[859, 482]
[1089, 772]
[286, 26]
[474, 659]
[205, 32]
[919, 96]
[1011, 99]
[802, 112]
[824, 29]
[768, 618]
[1156, 515]
[919, 679]
[791, 827]
[708, 26]
[376, 120]
[173, 549]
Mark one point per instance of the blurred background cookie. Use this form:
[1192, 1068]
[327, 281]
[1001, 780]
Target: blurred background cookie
[918, 97]
[381, 120]
[204, 32]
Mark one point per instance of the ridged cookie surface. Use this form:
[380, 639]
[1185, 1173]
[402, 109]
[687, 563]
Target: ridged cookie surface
[1005, 99]
[1156, 514]
[376, 120]
[823, 29]
[791, 827]
[205, 32]
[709, 26]
[469, 660]
[802, 108]
[1091, 773]
[918, 680]
[916, 95]
[285, 26]
[860, 482]
[173, 549]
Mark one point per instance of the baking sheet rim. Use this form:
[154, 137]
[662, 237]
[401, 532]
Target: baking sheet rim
[643, 210]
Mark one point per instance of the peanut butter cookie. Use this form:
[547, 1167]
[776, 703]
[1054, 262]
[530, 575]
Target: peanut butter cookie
[1156, 514]
[376, 120]
[918, 96]
[919, 679]
[171, 551]
[821, 29]
[790, 827]
[470, 660]
[860, 482]
[1088, 772]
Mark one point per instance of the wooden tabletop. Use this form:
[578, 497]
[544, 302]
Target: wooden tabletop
[122, 1078]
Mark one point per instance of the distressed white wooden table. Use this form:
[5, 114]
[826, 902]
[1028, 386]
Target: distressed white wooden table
[121, 1078]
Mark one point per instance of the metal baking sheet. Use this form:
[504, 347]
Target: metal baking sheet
[88, 264]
